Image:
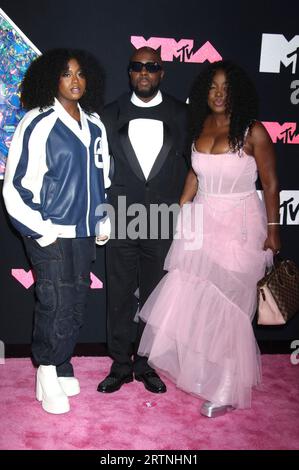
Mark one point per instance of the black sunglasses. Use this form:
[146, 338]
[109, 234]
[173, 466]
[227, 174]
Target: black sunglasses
[151, 67]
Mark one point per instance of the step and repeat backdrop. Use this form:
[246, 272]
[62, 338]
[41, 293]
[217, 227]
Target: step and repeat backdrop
[263, 37]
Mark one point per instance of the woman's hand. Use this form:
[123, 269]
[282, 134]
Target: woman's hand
[273, 240]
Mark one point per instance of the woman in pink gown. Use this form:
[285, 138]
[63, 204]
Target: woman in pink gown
[198, 319]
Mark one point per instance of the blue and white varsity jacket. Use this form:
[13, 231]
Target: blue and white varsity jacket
[56, 175]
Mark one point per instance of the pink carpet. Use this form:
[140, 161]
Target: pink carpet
[134, 418]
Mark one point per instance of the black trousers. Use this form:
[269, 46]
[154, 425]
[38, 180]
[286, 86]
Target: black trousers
[131, 264]
[62, 275]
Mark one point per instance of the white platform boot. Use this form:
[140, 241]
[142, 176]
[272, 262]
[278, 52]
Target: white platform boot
[70, 385]
[49, 391]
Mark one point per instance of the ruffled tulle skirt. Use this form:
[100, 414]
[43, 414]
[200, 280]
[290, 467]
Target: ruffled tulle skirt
[198, 319]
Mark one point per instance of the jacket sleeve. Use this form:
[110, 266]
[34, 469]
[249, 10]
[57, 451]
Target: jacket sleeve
[106, 158]
[26, 166]
[105, 224]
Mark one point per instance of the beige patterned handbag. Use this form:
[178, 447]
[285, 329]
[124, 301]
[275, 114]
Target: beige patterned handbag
[278, 294]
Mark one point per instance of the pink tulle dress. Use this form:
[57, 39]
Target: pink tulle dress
[198, 319]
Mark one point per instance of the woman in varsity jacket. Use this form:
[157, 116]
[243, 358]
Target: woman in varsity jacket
[54, 189]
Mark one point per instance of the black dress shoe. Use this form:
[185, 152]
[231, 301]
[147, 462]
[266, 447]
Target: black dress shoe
[152, 382]
[113, 382]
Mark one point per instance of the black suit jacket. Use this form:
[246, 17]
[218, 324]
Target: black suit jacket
[166, 179]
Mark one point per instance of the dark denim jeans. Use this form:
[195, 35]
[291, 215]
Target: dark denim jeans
[62, 275]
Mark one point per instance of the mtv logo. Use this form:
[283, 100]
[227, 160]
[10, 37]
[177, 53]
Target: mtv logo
[289, 207]
[286, 132]
[182, 49]
[276, 50]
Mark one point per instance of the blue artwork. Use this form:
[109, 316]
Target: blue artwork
[16, 52]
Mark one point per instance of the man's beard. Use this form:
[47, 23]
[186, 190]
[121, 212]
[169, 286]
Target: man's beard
[146, 93]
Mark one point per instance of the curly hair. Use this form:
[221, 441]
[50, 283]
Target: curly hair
[40, 84]
[241, 102]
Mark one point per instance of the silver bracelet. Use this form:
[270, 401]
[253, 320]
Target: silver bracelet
[273, 223]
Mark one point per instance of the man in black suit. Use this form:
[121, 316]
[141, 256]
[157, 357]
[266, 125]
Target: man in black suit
[147, 136]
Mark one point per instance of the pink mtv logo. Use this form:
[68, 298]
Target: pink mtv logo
[27, 280]
[285, 133]
[182, 49]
